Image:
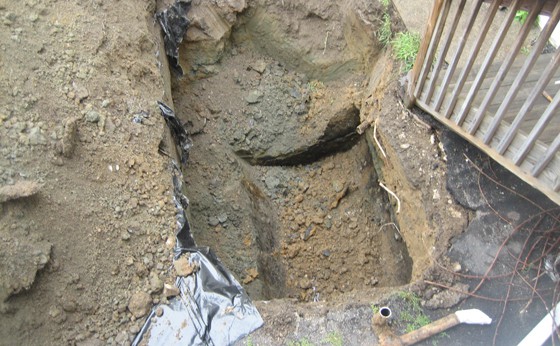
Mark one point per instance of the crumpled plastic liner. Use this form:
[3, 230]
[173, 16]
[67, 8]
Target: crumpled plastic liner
[182, 139]
[174, 22]
[212, 308]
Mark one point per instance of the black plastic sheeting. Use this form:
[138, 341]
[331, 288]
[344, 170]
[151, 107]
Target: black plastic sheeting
[174, 22]
[212, 308]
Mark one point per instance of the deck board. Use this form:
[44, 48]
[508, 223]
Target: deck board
[549, 178]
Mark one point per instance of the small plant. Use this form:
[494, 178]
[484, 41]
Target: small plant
[521, 16]
[405, 46]
[301, 342]
[374, 309]
[249, 342]
[334, 339]
[385, 3]
[385, 34]
[315, 85]
[413, 316]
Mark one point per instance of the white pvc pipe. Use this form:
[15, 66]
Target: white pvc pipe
[543, 330]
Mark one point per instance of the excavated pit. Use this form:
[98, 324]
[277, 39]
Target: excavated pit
[281, 186]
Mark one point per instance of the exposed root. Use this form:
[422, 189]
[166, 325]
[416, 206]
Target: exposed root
[392, 194]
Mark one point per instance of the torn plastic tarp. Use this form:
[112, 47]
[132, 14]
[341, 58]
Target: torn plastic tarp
[180, 136]
[174, 23]
[212, 308]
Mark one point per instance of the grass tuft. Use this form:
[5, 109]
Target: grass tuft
[405, 47]
[334, 339]
[385, 34]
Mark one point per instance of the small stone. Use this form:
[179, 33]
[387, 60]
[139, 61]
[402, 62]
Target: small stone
[213, 221]
[326, 253]
[36, 137]
[125, 235]
[105, 103]
[92, 116]
[122, 338]
[337, 186]
[253, 97]
[457, 267]
[54, 311]
[299, 198]
[222, 218]
[183, 267]
[308, 233]
[69, 136]
[170, 290]
[69, 306]
[259, 66]
[80, 92]
[159, 311]
[252, 274]
[271, 182]
[140, 304]
[156, 284]
[305, 283]
[405, 146]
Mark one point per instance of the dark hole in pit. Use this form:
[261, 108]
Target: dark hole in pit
[281, 187]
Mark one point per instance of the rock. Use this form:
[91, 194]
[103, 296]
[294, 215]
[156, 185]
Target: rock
[20, 189]
[170, 290]
[159, 311]
[140, 304]
[183, 267]
[92, 116]
[69, 306]
[36, 136]
[69, 136]
[222, 218]
[80, 92]
[213, 221]
[122, 338]
[252, 274]
[305, 283]
[329, 129]
[156, 284]
[308, 233]
[254, 97]
[23, 255]
[271, 182]
[259, 66]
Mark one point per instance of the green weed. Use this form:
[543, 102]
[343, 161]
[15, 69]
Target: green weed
[405, 46]
[521, 16]
[315, 85]
[385, 3]
[385, 34]
[413, 317]
[334, 339]
[374, 309]
[301, 342]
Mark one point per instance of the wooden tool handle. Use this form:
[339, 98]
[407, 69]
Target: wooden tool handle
[429, 330]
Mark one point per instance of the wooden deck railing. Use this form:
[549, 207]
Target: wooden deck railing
[490, 79]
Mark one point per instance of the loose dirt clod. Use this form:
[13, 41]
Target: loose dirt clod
[140, 304]
[20, 189]
[183, 267]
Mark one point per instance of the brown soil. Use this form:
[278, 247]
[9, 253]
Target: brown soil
[79, 117]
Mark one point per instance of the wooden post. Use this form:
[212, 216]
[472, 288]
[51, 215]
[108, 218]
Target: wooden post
[413, 76]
